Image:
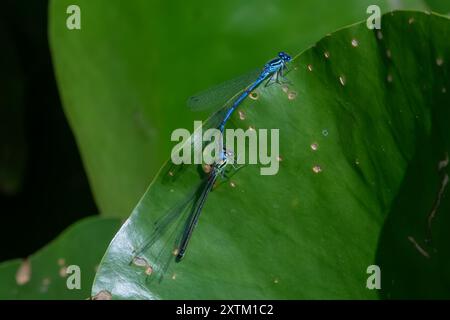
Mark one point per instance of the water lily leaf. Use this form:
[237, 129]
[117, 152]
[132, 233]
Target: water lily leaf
[363, 172]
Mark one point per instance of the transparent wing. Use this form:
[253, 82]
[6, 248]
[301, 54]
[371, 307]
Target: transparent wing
[219, 95]
[158, 250]
[196, 144]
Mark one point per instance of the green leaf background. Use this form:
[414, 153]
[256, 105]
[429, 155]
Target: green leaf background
[376, 105]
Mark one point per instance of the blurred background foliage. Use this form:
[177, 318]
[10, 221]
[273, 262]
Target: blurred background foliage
[45, 274]
[123, 81]
[43, 186]
[311, 234]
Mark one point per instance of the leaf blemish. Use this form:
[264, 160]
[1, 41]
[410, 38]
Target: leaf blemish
[23, 274]
[63, 272]
[44, 285]
[418, 247]
[292, 95]
[388, 53]
[103, 295]
[142, 263]
[380, 35]
[317, 169]
[254, 96]
[61, 262]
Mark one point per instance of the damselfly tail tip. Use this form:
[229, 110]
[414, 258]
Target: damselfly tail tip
[179, 257]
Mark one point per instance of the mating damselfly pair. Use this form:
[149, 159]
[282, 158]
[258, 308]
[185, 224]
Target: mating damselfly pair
[180, 222]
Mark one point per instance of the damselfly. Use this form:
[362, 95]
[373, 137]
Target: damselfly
[225, 96]
[171, 233]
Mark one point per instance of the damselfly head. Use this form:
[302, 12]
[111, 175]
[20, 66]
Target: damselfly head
[284, 56]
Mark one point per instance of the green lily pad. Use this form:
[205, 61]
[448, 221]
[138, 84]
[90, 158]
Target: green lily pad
[364, 141]
[45, 274]
[125, 76]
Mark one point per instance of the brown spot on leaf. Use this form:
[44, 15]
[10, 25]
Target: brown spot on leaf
[23, 274]
[103, 295]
